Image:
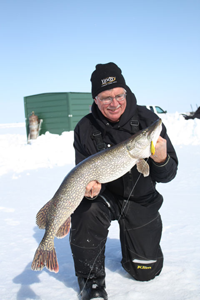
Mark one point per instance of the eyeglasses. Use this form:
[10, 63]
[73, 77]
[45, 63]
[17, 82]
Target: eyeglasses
[118, 98]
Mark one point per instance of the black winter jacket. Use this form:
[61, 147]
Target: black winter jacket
[113, 133]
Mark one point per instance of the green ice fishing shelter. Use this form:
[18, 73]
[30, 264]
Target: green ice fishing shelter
[59, 111]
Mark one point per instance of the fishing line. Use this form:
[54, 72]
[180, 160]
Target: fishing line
[124, 207]
[127, 201]
[91, 268]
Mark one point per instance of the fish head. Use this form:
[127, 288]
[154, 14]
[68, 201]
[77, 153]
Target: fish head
[140, 145]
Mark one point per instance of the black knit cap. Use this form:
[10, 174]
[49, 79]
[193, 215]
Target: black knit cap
[106, 77]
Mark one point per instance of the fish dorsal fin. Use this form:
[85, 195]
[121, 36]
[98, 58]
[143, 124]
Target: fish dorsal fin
[64, 229]
[41, 217]
[143, 167]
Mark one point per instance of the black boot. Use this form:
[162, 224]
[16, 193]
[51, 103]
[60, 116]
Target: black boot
[92, 288]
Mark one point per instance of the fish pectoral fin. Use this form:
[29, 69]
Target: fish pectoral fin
[143, 167]
[64, 229]
[42, 215]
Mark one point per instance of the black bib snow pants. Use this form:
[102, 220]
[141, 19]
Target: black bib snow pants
[140, 234]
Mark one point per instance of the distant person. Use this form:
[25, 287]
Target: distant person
[132, 199]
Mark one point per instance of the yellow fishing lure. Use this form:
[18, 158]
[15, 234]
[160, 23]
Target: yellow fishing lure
[152, 148]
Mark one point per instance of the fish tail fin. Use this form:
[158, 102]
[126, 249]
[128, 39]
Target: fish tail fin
[45, 258]
[64, 229]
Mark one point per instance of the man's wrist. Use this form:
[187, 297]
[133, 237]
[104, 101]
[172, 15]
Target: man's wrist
[162, 163]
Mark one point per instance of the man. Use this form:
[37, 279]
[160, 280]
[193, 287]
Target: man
[131, 199]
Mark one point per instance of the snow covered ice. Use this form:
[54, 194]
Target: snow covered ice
[29, 176]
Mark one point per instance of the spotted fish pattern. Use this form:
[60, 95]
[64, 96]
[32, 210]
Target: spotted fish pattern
[104, 166]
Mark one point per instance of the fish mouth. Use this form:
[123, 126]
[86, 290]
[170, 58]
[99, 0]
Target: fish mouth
[155, 125]
[153, 128]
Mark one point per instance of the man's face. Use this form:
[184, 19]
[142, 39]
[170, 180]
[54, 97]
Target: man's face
[114, 109]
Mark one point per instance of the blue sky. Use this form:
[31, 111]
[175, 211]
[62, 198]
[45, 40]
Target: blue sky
[53, 46]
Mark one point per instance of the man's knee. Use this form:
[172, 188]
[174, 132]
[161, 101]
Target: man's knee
[90, 223]
[89, 211]
[142, 271]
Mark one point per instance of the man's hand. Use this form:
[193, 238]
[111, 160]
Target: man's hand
[160, 154]
[92, 189]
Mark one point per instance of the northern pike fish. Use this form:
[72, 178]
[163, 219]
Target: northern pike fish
[104, 166]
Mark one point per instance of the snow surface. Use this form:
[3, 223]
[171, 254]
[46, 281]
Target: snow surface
[29, 176]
